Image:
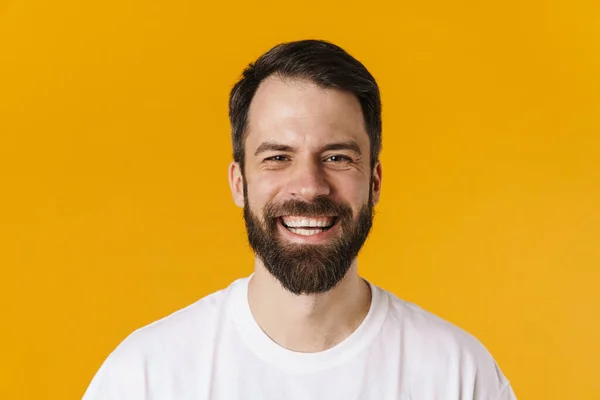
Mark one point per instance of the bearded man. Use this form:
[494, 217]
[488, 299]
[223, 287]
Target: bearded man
[306, 133]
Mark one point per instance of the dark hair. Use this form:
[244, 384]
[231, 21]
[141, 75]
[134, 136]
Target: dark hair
[320, 62]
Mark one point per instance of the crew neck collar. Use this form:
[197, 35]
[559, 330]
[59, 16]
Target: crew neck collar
[271, 352]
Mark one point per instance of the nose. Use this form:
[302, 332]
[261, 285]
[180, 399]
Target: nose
[308, 181]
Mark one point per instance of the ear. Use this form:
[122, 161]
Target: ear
[236, 184]
[376, 182]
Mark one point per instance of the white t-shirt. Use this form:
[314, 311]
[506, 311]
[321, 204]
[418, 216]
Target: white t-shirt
[214, 349]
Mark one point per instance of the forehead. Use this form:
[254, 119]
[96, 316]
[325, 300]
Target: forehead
[299, 112]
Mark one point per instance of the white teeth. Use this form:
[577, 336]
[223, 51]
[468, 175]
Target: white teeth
[306, 232]
[296, 222]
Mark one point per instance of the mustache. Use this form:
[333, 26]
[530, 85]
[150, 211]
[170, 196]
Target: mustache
[321, 206]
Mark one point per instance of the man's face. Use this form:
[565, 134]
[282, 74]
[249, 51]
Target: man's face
[308, 190]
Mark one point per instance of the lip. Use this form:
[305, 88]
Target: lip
[317, 238]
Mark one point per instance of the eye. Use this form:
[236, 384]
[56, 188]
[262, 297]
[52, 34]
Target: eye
[338, 158]
[277, 158]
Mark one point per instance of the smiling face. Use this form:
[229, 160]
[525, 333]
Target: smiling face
[307, 187]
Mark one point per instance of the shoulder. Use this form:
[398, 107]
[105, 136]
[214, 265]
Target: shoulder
[191, 323]
[158, 351]
[429, 329]
[423, 328]
[438, 350]
[179, 334]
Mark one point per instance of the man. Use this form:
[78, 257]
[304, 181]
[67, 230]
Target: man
[306, 130]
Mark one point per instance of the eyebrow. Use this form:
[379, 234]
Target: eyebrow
[350, 145]
[273, 146]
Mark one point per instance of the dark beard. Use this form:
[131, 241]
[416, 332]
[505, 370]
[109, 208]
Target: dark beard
[308, 268]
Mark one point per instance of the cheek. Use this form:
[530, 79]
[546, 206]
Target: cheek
[354, 191]
[260, 192]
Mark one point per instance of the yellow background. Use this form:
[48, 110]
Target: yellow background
[114, 144]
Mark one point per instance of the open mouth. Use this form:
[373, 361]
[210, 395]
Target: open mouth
[307, 226]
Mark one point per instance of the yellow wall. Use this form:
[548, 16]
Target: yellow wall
[114, 143]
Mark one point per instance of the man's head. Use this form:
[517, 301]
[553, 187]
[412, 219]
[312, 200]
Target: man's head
[306, 132]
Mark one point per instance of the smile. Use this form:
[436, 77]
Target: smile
[307, 226]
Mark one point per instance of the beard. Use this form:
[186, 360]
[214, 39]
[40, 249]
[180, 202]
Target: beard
[308, 268]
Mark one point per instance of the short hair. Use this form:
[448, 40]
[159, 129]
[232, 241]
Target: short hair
[318, 61]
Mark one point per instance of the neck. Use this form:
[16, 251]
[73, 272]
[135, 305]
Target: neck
[308, 323]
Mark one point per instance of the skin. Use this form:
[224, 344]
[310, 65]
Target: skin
[304, 121]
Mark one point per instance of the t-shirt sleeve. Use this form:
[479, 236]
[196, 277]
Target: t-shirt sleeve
[102, 386]
[490, 382]
[506, 393]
